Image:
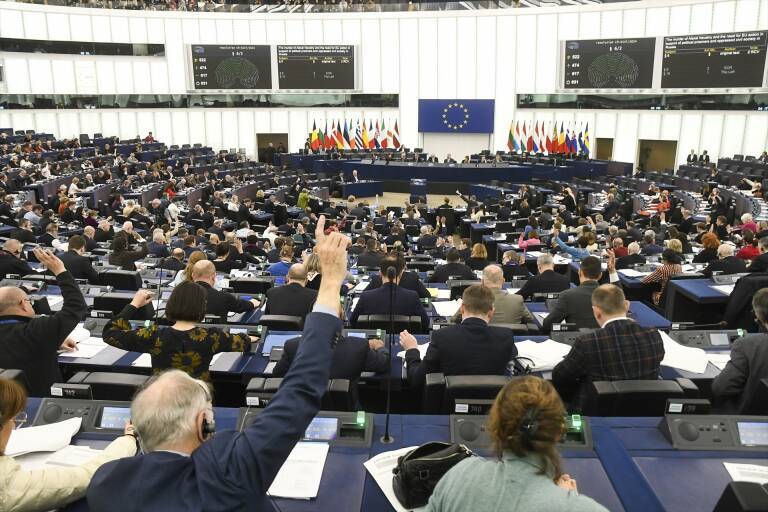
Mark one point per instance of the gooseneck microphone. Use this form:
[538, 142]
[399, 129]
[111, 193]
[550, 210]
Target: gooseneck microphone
[391, 275]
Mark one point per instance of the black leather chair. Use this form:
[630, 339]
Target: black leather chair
[109, 385]
[457, 287]
[743, 497]
[282, 322]
[441, 393]
[401, 322]
[420, 266]
[338, 396]
[121, 279]
[116, 301]
[253, 285]
[757, 405]
[635, 397]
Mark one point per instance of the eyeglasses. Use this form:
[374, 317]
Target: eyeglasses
[20, 420]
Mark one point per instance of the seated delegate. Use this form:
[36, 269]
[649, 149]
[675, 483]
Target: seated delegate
[183, 345]
[526, 473]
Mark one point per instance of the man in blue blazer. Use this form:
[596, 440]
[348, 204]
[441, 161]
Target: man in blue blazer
[186, 468]
[377, 301]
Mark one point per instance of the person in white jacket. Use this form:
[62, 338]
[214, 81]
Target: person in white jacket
[50, 487]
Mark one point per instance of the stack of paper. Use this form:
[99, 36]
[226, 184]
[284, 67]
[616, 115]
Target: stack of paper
[84, 351]
[535, 254]
[724, 288]
[299, 477]
[361, 286]
[447, 308]
[79, 334]
[747, 472]
[630, 272]
[421, 348]
[545, 355]
[719, 360]
[380, 467]
[559, 260]
[678, 356]
[45, 438]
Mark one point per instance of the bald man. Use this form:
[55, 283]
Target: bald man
[219, 303]
[11, 261]
[292, 299]
[31, 344]
[508, 309]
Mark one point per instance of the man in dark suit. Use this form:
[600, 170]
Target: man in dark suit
[377, 301]
[726, 263]
[704, 157]
[219, 303]
[546, 281]
[291, 299]
[426, 239]
[181, 458]
[175, 261]
[632, 258]
[78, 265]
[574, 305]
[686, 224]
[409, 281]
[453, 268]
[371, 257]
[11, 261]
[105, 232]
[619, 350]
[24, 234]
[88, 233]
[31, 344]
[470, 348]
[760, 264]
[692, 158]
[736, 385]
[359, 211]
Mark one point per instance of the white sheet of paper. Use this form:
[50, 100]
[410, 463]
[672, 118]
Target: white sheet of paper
[724, 288]
[79, 334]
[719, 360]
[747, 472]
[422, 351]
[512, 291]
[299, 477]
[143, 361]
[535, 254]
[361, 286]
[559, 260]
[380, 467]
[545, 355]
[85, 351]
[690, 359]
[55, 300]
[354, 303]
[630, 272]
[541, 316]
[447, 308]
[72, 455]
[93, 340]
[45, 438]
[443, 294]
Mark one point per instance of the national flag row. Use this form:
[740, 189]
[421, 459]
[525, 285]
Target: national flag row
[545, 137]
[362, 134]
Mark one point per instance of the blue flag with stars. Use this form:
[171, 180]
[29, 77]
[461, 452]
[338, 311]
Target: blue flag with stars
[456, 116]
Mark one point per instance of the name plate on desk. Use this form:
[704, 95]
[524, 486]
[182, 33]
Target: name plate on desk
[716, 432]
[106, 416]
[470, 430]
[333, 427]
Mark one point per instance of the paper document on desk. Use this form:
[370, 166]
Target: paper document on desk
[724, 288]
[545, 355]
[45, 438]
[380, 467]
[361, 286]
[678, 356]
[55, 301]
[540, 316]
[354, 303]
[747, 472]
[299, 477]
[79, 334]
[535, 254]
[719, 360]
[512, 291]
[143, 361]
[559, 260]
[447, 308]
[421, 348]
[84, 351]
[93, 340]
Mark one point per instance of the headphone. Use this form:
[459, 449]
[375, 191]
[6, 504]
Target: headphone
[208, 427]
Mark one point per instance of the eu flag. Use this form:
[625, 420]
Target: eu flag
[456, 116]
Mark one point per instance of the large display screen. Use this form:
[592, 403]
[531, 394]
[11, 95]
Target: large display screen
[231, 67]
[115, 417]
[316, 66]
[609, 63]
[714, 60]
[753, 433]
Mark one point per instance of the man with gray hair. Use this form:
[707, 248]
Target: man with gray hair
[726, 263]
[632, 258]
[546, 281]
[737, 384]
[508, 309]
[186, 466]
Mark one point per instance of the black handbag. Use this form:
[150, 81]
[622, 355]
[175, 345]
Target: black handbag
[418, 471]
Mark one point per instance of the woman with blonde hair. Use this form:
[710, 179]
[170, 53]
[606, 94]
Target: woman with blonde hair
[186, 273]
[478, 260]
[50, 487]
[526, 423]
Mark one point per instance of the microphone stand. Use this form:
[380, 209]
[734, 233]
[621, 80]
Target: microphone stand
[391, 275]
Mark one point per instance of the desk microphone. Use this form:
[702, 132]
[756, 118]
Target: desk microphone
[391, 275]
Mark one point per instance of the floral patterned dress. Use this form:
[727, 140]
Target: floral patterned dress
[190, 351]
